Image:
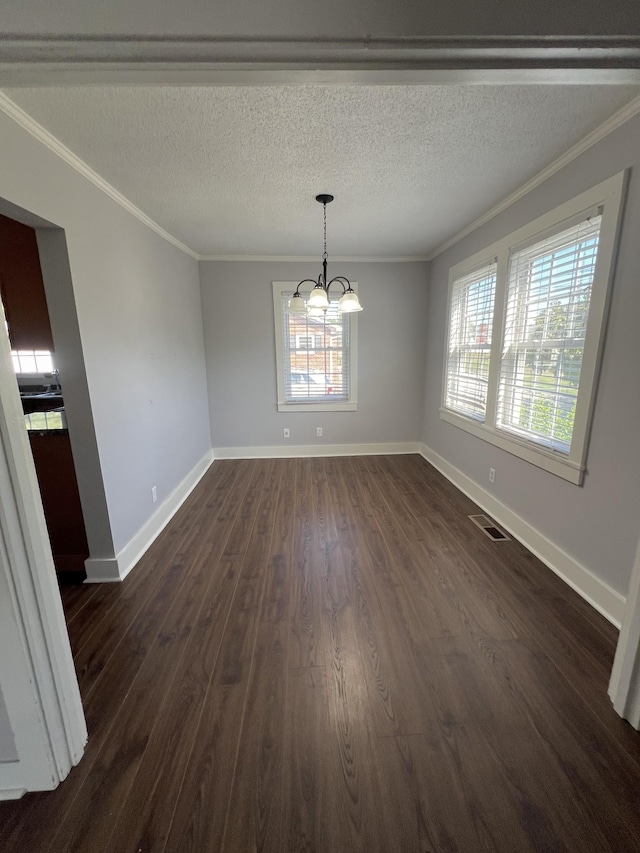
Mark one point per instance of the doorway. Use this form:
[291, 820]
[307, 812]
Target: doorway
[34, 359]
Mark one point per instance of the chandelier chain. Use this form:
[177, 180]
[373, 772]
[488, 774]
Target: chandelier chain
[325, 255]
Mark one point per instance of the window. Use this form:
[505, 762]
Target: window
[525, 326]
[31, 361]
[469, 350]
[315, 356]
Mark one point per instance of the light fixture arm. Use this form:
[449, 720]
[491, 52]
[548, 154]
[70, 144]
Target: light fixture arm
[323, 284]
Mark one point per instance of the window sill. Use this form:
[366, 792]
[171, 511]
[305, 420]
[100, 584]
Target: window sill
[342, 406]
[548, 460]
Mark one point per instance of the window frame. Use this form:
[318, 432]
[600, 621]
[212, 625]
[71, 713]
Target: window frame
[283, 405]
[607, 195]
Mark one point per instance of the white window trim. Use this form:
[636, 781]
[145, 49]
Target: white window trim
[571, 467]
[350, 405]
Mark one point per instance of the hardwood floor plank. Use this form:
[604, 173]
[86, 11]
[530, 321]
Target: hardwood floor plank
[136, 722]
[306, 647]
[130, 640]
[75, 597]
[308, 793]
[201, 811]
[326, 655]
[175, 733]
[254, 813]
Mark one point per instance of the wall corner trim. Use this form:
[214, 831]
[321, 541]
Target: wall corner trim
[114, 569]
[624, 686]
[599, 594]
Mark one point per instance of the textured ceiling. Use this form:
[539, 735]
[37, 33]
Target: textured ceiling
[234, 170]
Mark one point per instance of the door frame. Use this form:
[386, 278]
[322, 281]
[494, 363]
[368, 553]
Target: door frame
[624, 686]
[37, 673]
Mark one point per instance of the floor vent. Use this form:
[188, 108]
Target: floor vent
[489, 528]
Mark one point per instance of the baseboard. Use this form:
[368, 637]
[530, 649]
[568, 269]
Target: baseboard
[12, 784]
[12, 793]
[102, 570]
[113, 569]
[301, 450]
[594, 590]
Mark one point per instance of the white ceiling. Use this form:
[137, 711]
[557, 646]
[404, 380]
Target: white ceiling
[233, 171]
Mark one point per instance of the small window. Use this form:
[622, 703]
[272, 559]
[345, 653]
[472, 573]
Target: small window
[315, 356]
[525, 329]
[32, 361]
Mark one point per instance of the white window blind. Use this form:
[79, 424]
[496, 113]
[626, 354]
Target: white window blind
[469, 347]
[548, 295]
[528, 384]
[316, 355]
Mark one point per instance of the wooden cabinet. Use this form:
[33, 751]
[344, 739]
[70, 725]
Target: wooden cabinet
[60, 500]
[22, 289]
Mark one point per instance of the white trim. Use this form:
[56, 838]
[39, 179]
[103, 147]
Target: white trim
[612, 123]
[11, 781]
[36, 130]
[7, 793]
[299, 451]
[113, 569]
[292, 408]
[282, 404]
[594, 590]
[608, 194]
[624, 686]
[547, 460]
[362, 77]
[39, 681]
[347, 259]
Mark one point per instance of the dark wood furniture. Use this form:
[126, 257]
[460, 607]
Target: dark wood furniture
[22, 289]
[60, 500]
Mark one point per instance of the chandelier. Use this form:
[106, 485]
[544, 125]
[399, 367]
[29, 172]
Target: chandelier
[318, 300]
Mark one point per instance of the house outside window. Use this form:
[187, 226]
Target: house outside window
[525, 330]
[315, 356]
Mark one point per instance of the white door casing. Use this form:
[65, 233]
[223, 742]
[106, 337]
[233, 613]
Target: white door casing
[37, 674]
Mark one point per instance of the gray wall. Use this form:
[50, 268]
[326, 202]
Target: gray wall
[299, 18]
[139, 321]
[237, 305]
[597, 523]
[8, 750]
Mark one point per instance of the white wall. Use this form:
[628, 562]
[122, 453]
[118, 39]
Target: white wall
[237, 305]
[596, 524]
[299, 18]
[139, 322]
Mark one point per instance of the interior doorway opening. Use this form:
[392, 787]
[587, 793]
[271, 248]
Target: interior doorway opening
[34, 348]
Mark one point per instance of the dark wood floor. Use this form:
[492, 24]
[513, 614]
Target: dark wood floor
[326, 655]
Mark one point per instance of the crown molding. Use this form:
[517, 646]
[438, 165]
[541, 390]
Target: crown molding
[36, 130]
[343, 259]
[612, 123]
[11, 109]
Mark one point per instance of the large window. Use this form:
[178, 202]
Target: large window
[315, 356]
[525, 326]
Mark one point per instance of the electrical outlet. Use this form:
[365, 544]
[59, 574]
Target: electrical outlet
[492, 475]
[154, 494]
[285, 432]
[319, 432]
